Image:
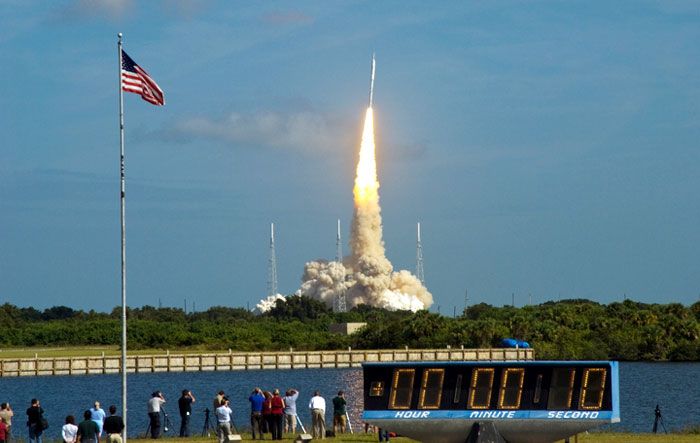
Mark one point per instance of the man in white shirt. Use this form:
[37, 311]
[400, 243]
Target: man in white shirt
[223, 417]
[154, 405]
[318, 415]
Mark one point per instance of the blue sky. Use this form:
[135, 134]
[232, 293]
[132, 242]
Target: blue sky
[547, 148]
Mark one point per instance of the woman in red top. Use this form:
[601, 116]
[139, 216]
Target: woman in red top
[3, 430]
[277, 414]
[267, 414]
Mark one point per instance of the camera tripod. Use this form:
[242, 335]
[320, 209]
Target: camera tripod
[208, 425]
[658, 419]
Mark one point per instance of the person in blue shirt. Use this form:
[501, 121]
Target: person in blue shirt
[256, 418]
[98, 415]
[290, 411]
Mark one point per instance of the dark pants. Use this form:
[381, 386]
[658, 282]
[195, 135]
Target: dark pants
[35, 432]
[269, 418]
[184, 426]
[383, 435]
[155, 424]
[277, 423]
[256, 422]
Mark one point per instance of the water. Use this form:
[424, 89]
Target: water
[674, 386]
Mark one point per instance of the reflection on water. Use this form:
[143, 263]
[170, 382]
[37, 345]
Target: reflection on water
[673, 386]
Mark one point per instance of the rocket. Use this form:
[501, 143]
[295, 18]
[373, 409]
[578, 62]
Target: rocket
[371, 81]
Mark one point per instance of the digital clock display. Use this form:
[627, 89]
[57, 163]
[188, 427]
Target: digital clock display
[488, 387]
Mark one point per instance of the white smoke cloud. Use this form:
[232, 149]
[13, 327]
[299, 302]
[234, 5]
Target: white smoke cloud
[268, 303]
[366, 276]
[306, 131]
[372, 282]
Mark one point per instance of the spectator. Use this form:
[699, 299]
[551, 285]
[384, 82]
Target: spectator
[290, 411]
[88, 431]
[383, 434]
[154, 405]
[267, 412]
[7, 414]
[35, 421]
[114, 425]
[223, 417]
[219, 399]
[317, 405]
[277, 414]
[69, 431]
[339, 413]
[97, 415]
[256, 400]
[3, 431]
[185, 406]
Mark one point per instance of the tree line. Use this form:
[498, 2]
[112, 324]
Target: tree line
[567, 329]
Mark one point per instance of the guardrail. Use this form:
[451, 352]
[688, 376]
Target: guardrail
[232, 361]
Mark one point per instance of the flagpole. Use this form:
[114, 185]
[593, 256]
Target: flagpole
[123, 236]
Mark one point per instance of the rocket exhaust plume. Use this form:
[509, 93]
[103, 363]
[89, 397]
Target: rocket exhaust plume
[365, 276]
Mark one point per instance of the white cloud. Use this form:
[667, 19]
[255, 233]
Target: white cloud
[305, 131]
[81, 9]
[287, 18]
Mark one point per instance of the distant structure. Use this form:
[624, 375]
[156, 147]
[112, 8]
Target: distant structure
[345, 328]
[339, 302]
[272, 264]
[419, 257]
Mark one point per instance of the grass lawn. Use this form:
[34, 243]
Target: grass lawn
[615, 437]
[594, 437]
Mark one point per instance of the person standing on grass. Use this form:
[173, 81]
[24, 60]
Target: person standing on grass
[223, 418]
[290, 411]
[185, 406]
[154, 405]
[88, 431]
[219, 399]
[35, 415]
[383, 434]
[317, 405]
[3, 431]
[256, 400]
[69, 431]
[277, 413]
[7, 414]
[114, 425]
[339, 411]
[97, 414]
[267, 413]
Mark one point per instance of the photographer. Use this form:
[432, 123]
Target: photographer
[185, 406]
[154, 405]
[256, 406]
[35, 421]
[223, 418]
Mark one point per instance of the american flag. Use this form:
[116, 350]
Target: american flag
[136, 80]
